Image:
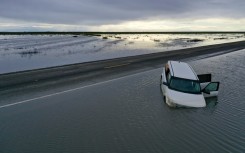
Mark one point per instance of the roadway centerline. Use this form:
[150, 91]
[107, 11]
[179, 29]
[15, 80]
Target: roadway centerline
[119, 65]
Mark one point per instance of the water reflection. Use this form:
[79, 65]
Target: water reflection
[54, 50]
[211, 101]
[29, 54]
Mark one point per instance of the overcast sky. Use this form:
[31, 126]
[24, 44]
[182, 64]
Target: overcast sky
[122, 15]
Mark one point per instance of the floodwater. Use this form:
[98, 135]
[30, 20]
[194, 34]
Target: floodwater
[129, 115]
[27, 52]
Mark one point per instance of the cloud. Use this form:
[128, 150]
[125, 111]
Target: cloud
[83, 13]
[211, 24]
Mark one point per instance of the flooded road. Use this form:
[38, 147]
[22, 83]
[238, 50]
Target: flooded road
[128, 115]
[28, 52]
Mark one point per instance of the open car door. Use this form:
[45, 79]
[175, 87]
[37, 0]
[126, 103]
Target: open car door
[204, 79]
[209, 88]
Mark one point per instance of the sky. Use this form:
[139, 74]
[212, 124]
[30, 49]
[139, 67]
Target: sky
[122, 15]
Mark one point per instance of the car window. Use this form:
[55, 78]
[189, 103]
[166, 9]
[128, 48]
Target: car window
[168, 77]
[184, 85]
[213, 86]
[166, 69]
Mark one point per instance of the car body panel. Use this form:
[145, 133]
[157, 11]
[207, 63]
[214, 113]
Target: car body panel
[182, 70]
[185, 99]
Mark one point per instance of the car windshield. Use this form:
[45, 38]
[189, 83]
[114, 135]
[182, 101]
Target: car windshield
[184, 85]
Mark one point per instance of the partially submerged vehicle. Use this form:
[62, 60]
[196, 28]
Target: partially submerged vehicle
[182, 87]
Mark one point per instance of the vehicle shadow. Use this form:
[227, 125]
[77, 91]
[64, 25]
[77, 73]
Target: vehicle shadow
[211, 101]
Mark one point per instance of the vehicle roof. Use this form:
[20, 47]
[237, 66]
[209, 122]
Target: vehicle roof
[182, 70]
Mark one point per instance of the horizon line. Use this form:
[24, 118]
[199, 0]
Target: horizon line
[113, 32]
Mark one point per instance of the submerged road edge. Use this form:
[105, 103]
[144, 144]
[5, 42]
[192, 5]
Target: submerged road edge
[69, 90]
[30, 76]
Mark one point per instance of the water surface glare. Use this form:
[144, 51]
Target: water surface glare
[27, 52]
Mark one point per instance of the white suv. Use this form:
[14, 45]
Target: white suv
[181, 86]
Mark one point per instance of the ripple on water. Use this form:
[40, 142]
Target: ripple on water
[129, 115]
[228, 122]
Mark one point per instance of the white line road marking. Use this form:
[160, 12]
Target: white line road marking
[70, 90]
[114, 66]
